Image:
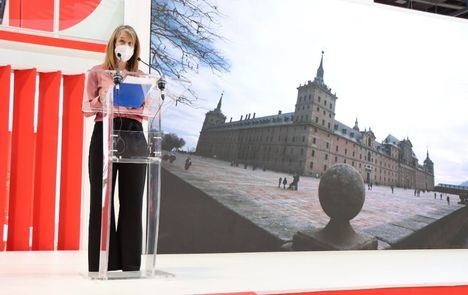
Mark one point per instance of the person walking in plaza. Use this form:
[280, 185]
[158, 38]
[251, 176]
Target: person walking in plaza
[285, 181]
[448, 200]
[188, 163]
[297, 181]
[279, 182]
[122, 53]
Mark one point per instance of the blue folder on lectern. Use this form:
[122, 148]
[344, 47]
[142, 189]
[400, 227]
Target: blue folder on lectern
[131, 95]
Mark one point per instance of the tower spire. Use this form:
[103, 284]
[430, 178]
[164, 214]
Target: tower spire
[218, 108]
[356, 126]
[320, 72]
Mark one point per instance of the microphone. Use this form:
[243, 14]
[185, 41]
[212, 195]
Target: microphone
[161, 82]
[146, 64]
[117, 77]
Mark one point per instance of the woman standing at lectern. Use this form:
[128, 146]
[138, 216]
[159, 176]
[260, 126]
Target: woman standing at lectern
[122, 52]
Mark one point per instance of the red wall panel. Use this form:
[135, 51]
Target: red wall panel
[72, 150]
[22, 161]
[5, 145]
[32, 14]
[46, 161]
[14, 10]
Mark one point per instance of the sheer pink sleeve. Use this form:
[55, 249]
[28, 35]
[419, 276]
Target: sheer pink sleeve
[91, 101]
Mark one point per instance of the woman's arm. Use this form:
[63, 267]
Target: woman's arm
[93, 96]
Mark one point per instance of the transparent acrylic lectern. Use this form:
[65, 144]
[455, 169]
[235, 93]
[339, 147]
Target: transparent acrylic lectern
[136, 95]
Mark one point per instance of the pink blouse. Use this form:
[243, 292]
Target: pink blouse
[97, 85]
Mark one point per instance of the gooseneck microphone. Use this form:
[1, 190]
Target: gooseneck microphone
[146, 64]
[117, 77]
[161, 81]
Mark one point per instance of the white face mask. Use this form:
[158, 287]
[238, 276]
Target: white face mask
[125, 51]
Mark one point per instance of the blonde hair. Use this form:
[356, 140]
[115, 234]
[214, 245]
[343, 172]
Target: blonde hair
[110, 61]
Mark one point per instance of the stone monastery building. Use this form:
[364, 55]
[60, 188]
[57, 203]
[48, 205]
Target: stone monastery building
[310, 140]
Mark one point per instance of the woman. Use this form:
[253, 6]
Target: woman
[123, 50]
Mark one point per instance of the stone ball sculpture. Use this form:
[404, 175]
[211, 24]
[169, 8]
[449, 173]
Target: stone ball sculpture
[341, 192]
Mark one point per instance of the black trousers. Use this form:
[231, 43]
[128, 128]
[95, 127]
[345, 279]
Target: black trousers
[125, 240]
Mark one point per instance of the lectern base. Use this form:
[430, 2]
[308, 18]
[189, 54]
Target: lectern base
[122, 275]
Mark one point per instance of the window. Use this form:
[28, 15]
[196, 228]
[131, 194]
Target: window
[326, 156]
[323, 122]
[303, 139]
[318, 110]
[328, 125]
[319, 98]
[336, 159]
[314, 140]
[325, 168]
[345, 151]
[316, 119]
[313, 153]
[328, 145]
[325, 103]
[302, 152]
[345, 161]
[336, 148]
[311, 165]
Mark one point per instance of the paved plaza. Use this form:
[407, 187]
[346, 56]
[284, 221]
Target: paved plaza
[256, 196]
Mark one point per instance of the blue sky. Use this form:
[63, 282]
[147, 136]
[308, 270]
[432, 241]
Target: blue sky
[400, 72]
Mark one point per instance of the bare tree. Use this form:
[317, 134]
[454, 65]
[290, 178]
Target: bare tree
[171, 141]
[183, 36]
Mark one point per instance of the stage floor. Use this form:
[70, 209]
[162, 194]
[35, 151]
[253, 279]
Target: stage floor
[64, 272]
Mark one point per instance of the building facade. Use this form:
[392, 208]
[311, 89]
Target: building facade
[309, 140]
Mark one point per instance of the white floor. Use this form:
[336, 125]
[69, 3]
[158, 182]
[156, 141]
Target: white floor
[65, 272]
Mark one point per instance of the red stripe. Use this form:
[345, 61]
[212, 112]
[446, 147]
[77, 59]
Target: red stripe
[22, 161]
[46, 161]
[50, 41]
[72, 150]
[456, 290]
[5, 145]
